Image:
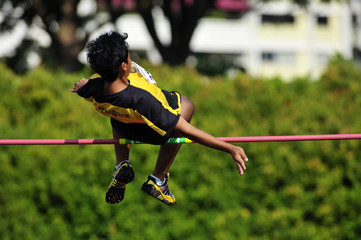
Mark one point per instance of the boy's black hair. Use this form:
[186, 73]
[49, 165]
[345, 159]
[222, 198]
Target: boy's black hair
[106, 53]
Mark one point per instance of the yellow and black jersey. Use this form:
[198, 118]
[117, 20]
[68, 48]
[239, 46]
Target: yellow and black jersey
[141, 112]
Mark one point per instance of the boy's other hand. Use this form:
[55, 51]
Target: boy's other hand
[239, 158]
[78, 85]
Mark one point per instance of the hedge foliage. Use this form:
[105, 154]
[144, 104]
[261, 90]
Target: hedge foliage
[291, 190]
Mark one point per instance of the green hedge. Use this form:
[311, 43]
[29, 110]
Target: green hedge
[291, 190]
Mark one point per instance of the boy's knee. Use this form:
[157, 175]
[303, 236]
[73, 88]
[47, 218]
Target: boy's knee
[187, 108]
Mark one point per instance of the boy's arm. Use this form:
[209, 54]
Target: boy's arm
[197, 135]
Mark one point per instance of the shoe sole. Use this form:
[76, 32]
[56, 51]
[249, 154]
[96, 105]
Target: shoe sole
[125, 175]
[116, 194]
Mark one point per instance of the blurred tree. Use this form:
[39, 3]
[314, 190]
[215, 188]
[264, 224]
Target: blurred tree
[69, 26]
[69, 29]
[183, 17]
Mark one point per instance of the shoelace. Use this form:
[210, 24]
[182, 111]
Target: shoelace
[166, 190]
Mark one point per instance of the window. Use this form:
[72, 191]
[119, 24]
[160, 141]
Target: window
[268, 57]
[278, 57]
[277, 19]
[322, 20]
[322, 58]
[354, 22]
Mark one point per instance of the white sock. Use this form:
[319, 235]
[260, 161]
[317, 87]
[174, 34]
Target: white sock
[158, 181]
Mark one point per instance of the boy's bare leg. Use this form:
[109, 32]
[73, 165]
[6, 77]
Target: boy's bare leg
[168, 152]
[123, 173]
[121, 151]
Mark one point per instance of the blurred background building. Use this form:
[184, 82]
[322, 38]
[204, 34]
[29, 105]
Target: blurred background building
[272, 39]
[276, 38]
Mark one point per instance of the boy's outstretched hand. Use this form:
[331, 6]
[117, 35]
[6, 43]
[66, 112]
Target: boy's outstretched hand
[78, 85]
[239, 158]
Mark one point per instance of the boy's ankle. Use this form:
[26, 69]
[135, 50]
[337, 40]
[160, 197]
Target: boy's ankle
[158, 181]
[120, 164]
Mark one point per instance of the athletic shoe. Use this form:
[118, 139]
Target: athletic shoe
[116, 189]
[162, 193]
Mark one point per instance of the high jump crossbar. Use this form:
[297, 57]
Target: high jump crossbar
[180, 140]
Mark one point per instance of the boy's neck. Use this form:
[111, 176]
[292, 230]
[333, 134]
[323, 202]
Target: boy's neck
[114, 87]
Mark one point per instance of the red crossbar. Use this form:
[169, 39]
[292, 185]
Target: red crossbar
[226, 139]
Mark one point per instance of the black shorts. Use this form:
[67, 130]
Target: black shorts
[143, 133]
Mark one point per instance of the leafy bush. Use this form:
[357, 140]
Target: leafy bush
[291, 190]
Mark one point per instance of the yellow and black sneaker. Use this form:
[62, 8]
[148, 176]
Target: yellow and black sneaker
[162, 193]
[116, 189]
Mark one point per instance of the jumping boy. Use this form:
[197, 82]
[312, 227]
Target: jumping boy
[139, 110]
